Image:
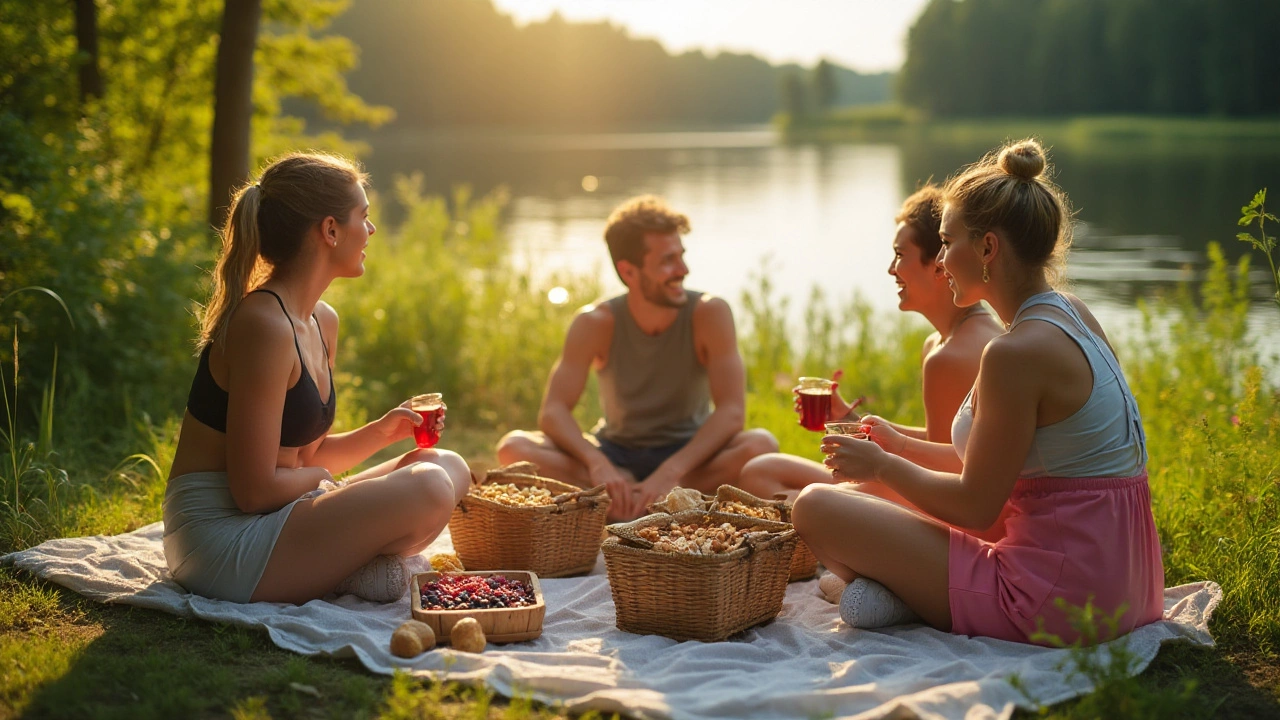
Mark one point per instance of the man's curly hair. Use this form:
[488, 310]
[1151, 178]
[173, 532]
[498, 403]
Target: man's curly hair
[632, 220]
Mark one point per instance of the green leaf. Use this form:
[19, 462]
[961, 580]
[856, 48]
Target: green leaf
[1246, 237]
[1247, 217]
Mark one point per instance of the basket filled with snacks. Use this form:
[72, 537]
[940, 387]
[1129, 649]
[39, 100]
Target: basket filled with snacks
[697, 575]
[507, 605]
[514, 519]
[736, 501]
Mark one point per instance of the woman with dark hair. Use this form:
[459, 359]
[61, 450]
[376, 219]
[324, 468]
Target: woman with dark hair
[251, 512]
[1049, 439]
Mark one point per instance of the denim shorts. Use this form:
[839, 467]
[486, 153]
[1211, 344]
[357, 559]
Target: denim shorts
[641, 462]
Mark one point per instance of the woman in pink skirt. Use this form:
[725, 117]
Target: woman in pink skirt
[1048, 444]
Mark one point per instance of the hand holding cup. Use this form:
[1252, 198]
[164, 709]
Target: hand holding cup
[851, 456]
[431, 408]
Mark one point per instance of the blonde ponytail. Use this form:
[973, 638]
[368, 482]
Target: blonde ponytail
[240, 265]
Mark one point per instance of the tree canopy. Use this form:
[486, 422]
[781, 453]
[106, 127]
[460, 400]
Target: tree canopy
[1059, 57]
[451, 62]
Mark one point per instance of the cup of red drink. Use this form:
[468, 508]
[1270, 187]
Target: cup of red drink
[815, 402]
[429, 406]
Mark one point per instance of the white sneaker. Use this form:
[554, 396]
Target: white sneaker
[868, 604]
[831, 587]
[382, 579]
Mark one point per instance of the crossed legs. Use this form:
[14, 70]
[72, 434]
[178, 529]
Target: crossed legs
[723, 468]
[854, 533]
[396, 508]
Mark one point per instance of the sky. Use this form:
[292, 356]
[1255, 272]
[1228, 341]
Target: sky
[865, 35]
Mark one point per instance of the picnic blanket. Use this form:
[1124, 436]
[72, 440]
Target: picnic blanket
[806, 663]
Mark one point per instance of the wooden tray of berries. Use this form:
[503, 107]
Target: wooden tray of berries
[500, 624]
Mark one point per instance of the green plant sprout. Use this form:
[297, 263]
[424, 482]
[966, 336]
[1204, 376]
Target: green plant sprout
[1256, 210]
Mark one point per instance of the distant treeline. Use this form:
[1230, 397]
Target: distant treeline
[1026, 57]
[451, 62]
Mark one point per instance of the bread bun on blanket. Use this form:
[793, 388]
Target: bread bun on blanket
[467, 636]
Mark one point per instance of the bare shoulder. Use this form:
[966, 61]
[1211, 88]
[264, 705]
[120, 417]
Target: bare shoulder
[930, 344]
[714, 310]
[971, 338]
[590, 332]
[258, 327]
[593, 320]
[328, 319]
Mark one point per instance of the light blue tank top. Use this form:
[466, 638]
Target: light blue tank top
[1104, 438]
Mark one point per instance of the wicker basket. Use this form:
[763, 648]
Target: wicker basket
[698, 597]
[804, 564]
[554, 540]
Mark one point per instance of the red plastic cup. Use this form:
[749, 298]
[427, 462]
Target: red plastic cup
[429, 406]
[815, 402]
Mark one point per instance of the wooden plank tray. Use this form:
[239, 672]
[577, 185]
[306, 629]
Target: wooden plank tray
[500, 625]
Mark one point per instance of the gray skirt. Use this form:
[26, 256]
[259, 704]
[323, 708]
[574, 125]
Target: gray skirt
[212, 548]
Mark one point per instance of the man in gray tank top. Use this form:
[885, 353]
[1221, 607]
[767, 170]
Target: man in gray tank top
[671, 379]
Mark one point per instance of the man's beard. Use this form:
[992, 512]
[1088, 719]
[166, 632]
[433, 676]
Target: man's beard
[656, 294]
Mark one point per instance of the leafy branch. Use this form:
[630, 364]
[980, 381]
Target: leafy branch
[1256, 211]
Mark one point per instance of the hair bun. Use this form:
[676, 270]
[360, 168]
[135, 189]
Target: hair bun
[1023, 160]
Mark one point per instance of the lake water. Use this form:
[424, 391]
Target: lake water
[822, 214]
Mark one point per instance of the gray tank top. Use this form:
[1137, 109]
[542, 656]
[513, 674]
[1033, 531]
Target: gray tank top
[653, 389]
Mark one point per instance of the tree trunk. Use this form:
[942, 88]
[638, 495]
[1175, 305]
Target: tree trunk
[87, 43]
[232, 104]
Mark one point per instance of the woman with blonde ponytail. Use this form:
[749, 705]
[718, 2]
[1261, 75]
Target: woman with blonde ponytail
[1048, 442]
[251, 511]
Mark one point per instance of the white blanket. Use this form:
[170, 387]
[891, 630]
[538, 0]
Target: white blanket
[806, 663]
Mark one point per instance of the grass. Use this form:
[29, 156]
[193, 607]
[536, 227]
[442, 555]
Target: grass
[64, 656]
[1212, 417]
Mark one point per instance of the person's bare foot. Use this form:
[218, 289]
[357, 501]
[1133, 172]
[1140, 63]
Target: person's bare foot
[831, 587]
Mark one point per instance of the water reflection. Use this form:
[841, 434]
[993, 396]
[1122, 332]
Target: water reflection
[822, 215]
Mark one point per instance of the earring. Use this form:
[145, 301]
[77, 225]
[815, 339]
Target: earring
[986, 274]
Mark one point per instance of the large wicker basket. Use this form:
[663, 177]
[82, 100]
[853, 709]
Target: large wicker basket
[554, 540]
[698, 597]
[804, 564]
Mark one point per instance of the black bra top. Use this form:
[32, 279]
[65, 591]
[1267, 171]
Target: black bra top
[305, 417]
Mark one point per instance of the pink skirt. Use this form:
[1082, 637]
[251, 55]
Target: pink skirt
[1078, 539]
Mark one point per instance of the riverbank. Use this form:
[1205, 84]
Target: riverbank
[894, 122]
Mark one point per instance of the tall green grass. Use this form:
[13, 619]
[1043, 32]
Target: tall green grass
[1213, 425]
